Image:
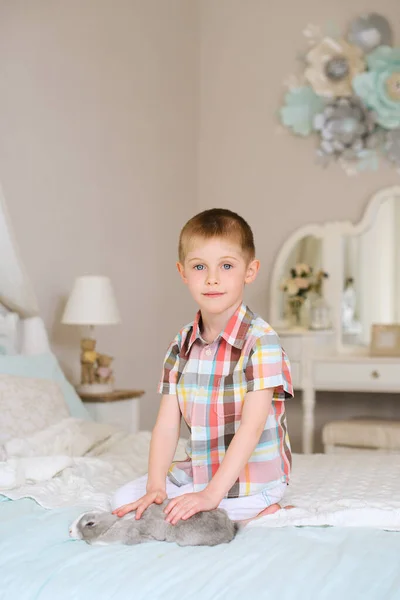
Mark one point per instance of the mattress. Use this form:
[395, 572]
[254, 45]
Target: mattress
[38, 561]
[293, 554]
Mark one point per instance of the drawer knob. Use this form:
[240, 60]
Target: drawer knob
[375, 374]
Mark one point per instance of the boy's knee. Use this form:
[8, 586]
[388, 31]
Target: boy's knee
[130, 492]
[123, 496]
[116, 500]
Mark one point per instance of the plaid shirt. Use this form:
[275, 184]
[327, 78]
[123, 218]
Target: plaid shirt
[211, 382]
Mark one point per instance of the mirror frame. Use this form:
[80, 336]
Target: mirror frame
[331, 233]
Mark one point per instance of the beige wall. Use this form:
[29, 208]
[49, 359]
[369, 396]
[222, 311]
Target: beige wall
[248, 48]
[120, 119]
[98, 163]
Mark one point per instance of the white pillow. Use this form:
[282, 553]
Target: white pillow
[9, 323]
[28, 405]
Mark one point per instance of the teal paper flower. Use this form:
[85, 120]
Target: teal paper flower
[301, 106]
[384, 58]
[379, 88]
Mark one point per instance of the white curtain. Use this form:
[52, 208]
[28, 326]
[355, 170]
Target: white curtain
[16, 291]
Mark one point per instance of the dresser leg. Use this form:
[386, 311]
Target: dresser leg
[308, 420]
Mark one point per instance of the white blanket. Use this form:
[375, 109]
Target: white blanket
[98, 459]
[81, 463]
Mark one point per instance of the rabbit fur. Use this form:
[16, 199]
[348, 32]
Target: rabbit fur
[202, 529]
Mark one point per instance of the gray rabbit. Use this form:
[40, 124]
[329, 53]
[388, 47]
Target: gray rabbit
[203, 529]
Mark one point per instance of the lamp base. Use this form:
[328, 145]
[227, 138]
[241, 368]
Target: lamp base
[95, 389]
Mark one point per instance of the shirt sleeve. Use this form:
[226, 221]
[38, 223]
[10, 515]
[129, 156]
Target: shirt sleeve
[269, 367]
[169, 375]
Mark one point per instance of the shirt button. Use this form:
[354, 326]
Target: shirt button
[208, 352]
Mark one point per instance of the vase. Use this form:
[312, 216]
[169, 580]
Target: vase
[296, 312]
[320, 313]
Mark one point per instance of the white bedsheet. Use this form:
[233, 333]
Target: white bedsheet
[344, 489]
[353, 490]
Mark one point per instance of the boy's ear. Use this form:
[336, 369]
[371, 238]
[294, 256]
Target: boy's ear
[181, 271]
[252, 271]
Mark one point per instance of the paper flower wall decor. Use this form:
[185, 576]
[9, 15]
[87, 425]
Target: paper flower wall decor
[332, 64]
[349, 95]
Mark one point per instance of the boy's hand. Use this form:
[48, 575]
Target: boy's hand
[188, 505]
[154, 497]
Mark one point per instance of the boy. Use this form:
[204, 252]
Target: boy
[228, 376]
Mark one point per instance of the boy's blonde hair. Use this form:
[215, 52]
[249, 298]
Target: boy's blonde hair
[218, 222]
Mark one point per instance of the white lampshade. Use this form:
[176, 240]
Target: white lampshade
[91, 302]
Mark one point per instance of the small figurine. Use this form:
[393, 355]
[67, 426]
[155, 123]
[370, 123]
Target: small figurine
[350, 323]
[88, 360]
[104, 372]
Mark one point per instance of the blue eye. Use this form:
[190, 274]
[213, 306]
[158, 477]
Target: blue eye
[199, 267]
[227, 266]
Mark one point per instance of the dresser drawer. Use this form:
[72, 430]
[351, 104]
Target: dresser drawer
[358, 376]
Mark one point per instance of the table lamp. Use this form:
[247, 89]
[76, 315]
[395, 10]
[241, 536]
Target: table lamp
[92, 302]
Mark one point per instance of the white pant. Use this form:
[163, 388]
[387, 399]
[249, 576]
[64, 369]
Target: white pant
[238, 509]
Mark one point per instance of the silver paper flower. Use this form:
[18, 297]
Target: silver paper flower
[370, 31]
[346, 127]
[337, 68]
[392, 146]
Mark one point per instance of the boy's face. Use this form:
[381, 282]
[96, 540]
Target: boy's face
[216, 271]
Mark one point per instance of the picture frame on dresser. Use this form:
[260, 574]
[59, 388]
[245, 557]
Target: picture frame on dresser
[385, 340]
[352, 355]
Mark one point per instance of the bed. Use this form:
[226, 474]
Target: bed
[342, 539]
[273, 558]
[39, 561]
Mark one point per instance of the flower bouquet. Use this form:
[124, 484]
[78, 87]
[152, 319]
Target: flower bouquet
[298, 286]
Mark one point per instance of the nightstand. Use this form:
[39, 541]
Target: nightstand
[119, 408]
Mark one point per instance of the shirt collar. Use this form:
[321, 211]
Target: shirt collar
[235, 331]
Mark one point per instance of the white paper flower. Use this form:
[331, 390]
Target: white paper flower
[332, 66]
